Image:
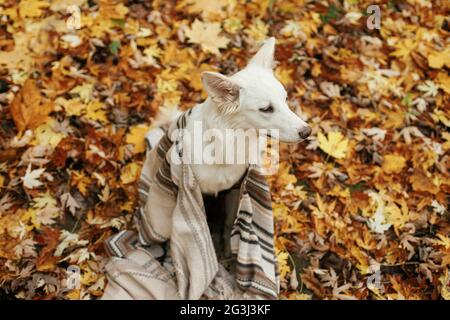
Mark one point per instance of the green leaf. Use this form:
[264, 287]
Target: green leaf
[392, 5]
[360, 186]
[114, 47]
[118, 22]
[333, 13]
[407, 100]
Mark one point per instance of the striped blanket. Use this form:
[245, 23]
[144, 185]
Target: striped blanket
[172, 255]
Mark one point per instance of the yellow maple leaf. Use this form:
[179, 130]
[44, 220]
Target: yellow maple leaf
[32, 8]
[338, 191]
[396, 216]
[336, 145]
[442, 116]
[361, 257]
[284, 75]
[73, 107]
[322, 209]
[29, 219]
[166, 85]
[207, 36]
[45, 135]
[127, 206]
[130, 173]
[95, 111]
[280, 210]
[151, 53]
[299, 296]
[74, 294]
[311, 24]
[403, 48]
[137, 137]
[98, 26]
[83, 91]
[443, 79]
[203, 6]
[35, 218]
[232, 25]
[284, 176]
[81, 181]
[283, 216]
[438, 59]
[257, 31]
[443, 241]
[283, 264]
[393, 163]
[89, 277]
[445, 282]
[446, 144]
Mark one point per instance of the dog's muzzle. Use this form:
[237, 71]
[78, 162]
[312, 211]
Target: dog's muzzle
[304, 132]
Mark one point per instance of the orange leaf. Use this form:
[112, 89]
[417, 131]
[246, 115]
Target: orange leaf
[421, 182]
[393, 163]
[46, 260]
[27, 109]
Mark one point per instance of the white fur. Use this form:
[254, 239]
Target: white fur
[234, 103]
[165, 116]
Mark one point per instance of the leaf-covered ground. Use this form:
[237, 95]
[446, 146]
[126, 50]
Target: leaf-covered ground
[361, 208]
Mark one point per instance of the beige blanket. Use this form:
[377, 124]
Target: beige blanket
[171, 255]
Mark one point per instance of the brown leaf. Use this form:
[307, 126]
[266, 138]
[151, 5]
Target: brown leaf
[28, 108]
[8, 154]
[421, 182]
[46, 260]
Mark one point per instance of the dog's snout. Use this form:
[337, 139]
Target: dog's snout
[305, 132]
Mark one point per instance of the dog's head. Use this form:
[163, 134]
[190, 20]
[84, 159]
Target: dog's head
[254, 99]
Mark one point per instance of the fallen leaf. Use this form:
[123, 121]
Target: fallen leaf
[31, 177]
[439, 59]
[137, 138]
[393, 163]
[130, 173]
[32, 8]
[69, 203]
[28, 108]
[336, 145]
[206, 34]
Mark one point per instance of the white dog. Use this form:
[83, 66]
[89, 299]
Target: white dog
[250, 99]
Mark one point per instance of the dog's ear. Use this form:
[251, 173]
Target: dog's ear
[222, 91]
[265, 55]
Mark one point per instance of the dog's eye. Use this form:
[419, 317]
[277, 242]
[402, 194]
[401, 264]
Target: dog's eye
[267, 109]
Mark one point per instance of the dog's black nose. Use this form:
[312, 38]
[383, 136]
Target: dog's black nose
[305, 132]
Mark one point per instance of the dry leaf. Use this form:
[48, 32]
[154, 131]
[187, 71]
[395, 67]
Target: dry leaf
[439, 59]
[207, 36]
[28, 108]
[137, 138]
[393, 163]
[130, 173]
[31, 177]
[336, 145]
